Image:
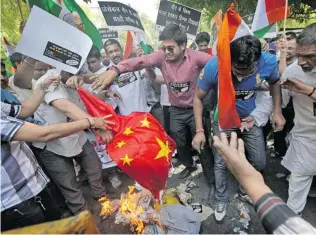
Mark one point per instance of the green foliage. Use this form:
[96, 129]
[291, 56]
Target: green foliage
[10, 21]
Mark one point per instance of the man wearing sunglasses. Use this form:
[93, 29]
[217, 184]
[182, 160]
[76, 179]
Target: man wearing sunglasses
[250, 67]
[180, 68]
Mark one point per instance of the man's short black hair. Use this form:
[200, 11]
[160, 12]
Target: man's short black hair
[110, 42]
[290, 35]
[16, 57]
[245, 50]
[307, 36]
[94, 52]
[174, 32]
[202, 37]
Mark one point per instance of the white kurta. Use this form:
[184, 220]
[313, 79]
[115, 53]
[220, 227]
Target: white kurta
[301, 155]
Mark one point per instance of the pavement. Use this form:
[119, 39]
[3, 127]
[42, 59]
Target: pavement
[274, 176]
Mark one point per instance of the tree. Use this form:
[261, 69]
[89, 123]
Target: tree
[10, 21]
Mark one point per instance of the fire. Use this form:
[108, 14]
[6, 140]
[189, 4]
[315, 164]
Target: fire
[128, 206]
[106, 207]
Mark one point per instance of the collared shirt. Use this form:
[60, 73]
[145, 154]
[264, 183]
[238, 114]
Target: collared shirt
[21, 176]
[69, 146]
[300, 157]
[153, 90]
[267, 70]
[132, 90]
[180, 77]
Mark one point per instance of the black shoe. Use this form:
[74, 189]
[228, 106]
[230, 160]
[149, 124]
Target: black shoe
[187, 172]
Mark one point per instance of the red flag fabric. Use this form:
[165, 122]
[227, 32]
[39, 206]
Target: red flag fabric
[140, 147]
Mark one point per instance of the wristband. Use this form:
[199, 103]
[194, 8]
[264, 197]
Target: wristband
[199, 131]
[116, 70]
[312, 92]
[90, 124]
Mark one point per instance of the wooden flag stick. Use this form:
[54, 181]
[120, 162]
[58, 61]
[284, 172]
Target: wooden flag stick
[285, 16]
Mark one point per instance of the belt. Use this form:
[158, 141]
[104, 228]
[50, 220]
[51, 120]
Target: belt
[182, 108]
[156, 105]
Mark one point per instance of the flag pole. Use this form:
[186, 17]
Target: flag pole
[285, 16]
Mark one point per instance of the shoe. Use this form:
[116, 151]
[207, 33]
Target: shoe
[244, 197]
[220, 211]
[186, 172]
[115, 181]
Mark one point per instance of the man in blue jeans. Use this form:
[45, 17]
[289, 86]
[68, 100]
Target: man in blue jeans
[250, 67]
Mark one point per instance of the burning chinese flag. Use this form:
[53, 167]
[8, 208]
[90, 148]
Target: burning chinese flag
[141, 147]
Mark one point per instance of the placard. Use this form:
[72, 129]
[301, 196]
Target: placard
[120, 16]
[51, 40]
[107, 33]
[170, 12]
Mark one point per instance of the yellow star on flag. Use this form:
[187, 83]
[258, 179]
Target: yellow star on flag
[128, 131]
[164, 151]
[145, 123]
[120, 144]
[126, 160]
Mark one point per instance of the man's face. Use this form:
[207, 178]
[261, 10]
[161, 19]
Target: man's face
[243, 71]
[203, 46]
[94, 64]
[40, 69]
[114, 53]
[4, 78]
[306, 55]
[291, 49]
[173, 52]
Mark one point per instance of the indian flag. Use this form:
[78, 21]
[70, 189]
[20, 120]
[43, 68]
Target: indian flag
[69, 11]
[10, 50]
[267, 13]
[232, 28]
[132, 40]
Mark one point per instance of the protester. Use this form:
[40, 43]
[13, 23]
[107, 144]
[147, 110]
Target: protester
[105, 59]
[275, 216]
[16, 59]
[299, 80]
[203, 40]
[57, 155]
[287, 48]
[180, 69]
[25, 198]
[250, 67]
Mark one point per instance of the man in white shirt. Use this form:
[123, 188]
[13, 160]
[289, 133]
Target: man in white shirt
[60, 105]
[299, 81]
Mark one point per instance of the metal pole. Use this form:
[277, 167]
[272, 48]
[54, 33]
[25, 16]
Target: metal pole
[20, 9]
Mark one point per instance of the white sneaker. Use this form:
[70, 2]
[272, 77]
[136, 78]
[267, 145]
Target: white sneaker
[220, 211]
[115, 181]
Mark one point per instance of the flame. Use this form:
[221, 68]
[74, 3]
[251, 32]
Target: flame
[106, 206]
[128, 206]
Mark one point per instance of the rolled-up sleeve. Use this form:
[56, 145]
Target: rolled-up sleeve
[147, 61]
[10, 109]
[9, 126]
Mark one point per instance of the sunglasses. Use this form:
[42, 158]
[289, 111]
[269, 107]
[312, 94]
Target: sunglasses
[169, 48]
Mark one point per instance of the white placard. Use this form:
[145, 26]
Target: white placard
[49, 39]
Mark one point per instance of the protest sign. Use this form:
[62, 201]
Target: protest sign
[120, 16]
[170, 12]
[108, 33]
[49, 39]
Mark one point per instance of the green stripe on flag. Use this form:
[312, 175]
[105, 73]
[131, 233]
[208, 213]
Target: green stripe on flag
[145, 48]
[89, 27]
[47, 5]
[261, 32]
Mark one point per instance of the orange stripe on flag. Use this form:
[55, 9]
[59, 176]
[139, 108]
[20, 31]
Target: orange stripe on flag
[276, 10]
[128, 45]
[227, 112]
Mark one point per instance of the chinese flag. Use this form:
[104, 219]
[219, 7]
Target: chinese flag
[140, 147]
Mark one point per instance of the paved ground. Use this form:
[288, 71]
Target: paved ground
[203, 195]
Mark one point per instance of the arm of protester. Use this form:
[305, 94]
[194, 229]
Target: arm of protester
[273, 212]
[282, 61]
[278, 121]
[204, 84]
[262, 112]
[295, 85]
[138, 63]
[30, 132]
[156, 78]
[29, 106]
[23, 77]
